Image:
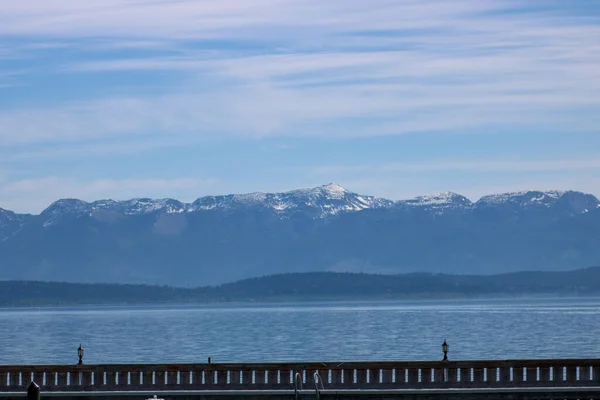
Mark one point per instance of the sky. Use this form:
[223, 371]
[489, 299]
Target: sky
[394, 98]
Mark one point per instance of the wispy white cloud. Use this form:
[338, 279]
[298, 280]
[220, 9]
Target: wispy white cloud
[88, 149]
[406, 66]
[293, 68]
[264, 110]
[233, 18]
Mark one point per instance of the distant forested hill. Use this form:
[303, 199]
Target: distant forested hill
[309, 287]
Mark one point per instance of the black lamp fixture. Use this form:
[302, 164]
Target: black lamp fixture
[445, 348]
[80, 354]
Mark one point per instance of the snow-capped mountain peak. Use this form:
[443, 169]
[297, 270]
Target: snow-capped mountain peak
[147, 206]
[330, 191]
[441, 201]
[523, 198]
[319, 202]
[333, 189]
[571, 201]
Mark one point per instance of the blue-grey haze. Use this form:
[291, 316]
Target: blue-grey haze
[490, 329]
[219, 239]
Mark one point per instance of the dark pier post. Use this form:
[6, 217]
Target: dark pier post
[33, 391]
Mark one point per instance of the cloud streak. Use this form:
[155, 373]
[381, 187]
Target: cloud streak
[124, 76]
[401, 67]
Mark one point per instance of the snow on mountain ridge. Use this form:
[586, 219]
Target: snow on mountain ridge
[329, 191]
[318, 202]
[8, 217]
[147, 206]
[442, 200]
[57, 210]
[11, 223]
[530, 197]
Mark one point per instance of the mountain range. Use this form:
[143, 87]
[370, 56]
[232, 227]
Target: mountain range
[218, 239]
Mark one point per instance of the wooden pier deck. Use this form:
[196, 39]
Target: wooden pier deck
[490, 379]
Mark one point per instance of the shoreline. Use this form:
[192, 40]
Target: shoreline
[300, 302]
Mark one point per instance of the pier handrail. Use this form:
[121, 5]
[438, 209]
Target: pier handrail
[318, 382]
[308, 365]
[297, 385]
[290, 376]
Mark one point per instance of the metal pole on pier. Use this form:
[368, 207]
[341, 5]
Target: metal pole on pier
[33, 391]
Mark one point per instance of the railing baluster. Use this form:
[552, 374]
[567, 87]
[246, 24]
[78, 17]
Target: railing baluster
[386, 378]
[400, 376]
[438, 377]
[413, 377]
[136, 379]
[112, 380]
[596, 374]
[452, 375]
[336, 378]
[286, 378]
[171, 378]
[571, 378]
[147, 378]
[505, 376]
[62, 381]
[184, 379]
[234, 378]
[361, 378]
[426, 376]
[221, 379]
[585, 373]
[545, 376]
[88, 379]
[159, 379]
[195, 379]
[478, 375]
[32, 377]
[518, 375]
[14, 380]
[271, 378]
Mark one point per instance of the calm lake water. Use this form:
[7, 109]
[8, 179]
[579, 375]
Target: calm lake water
[303, 332]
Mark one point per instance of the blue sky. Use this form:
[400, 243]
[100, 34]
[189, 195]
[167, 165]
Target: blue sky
[181, 98]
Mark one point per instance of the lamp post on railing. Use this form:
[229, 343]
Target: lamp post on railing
[80, 355]
[445, 348]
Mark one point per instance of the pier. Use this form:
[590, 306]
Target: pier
[489, 379]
